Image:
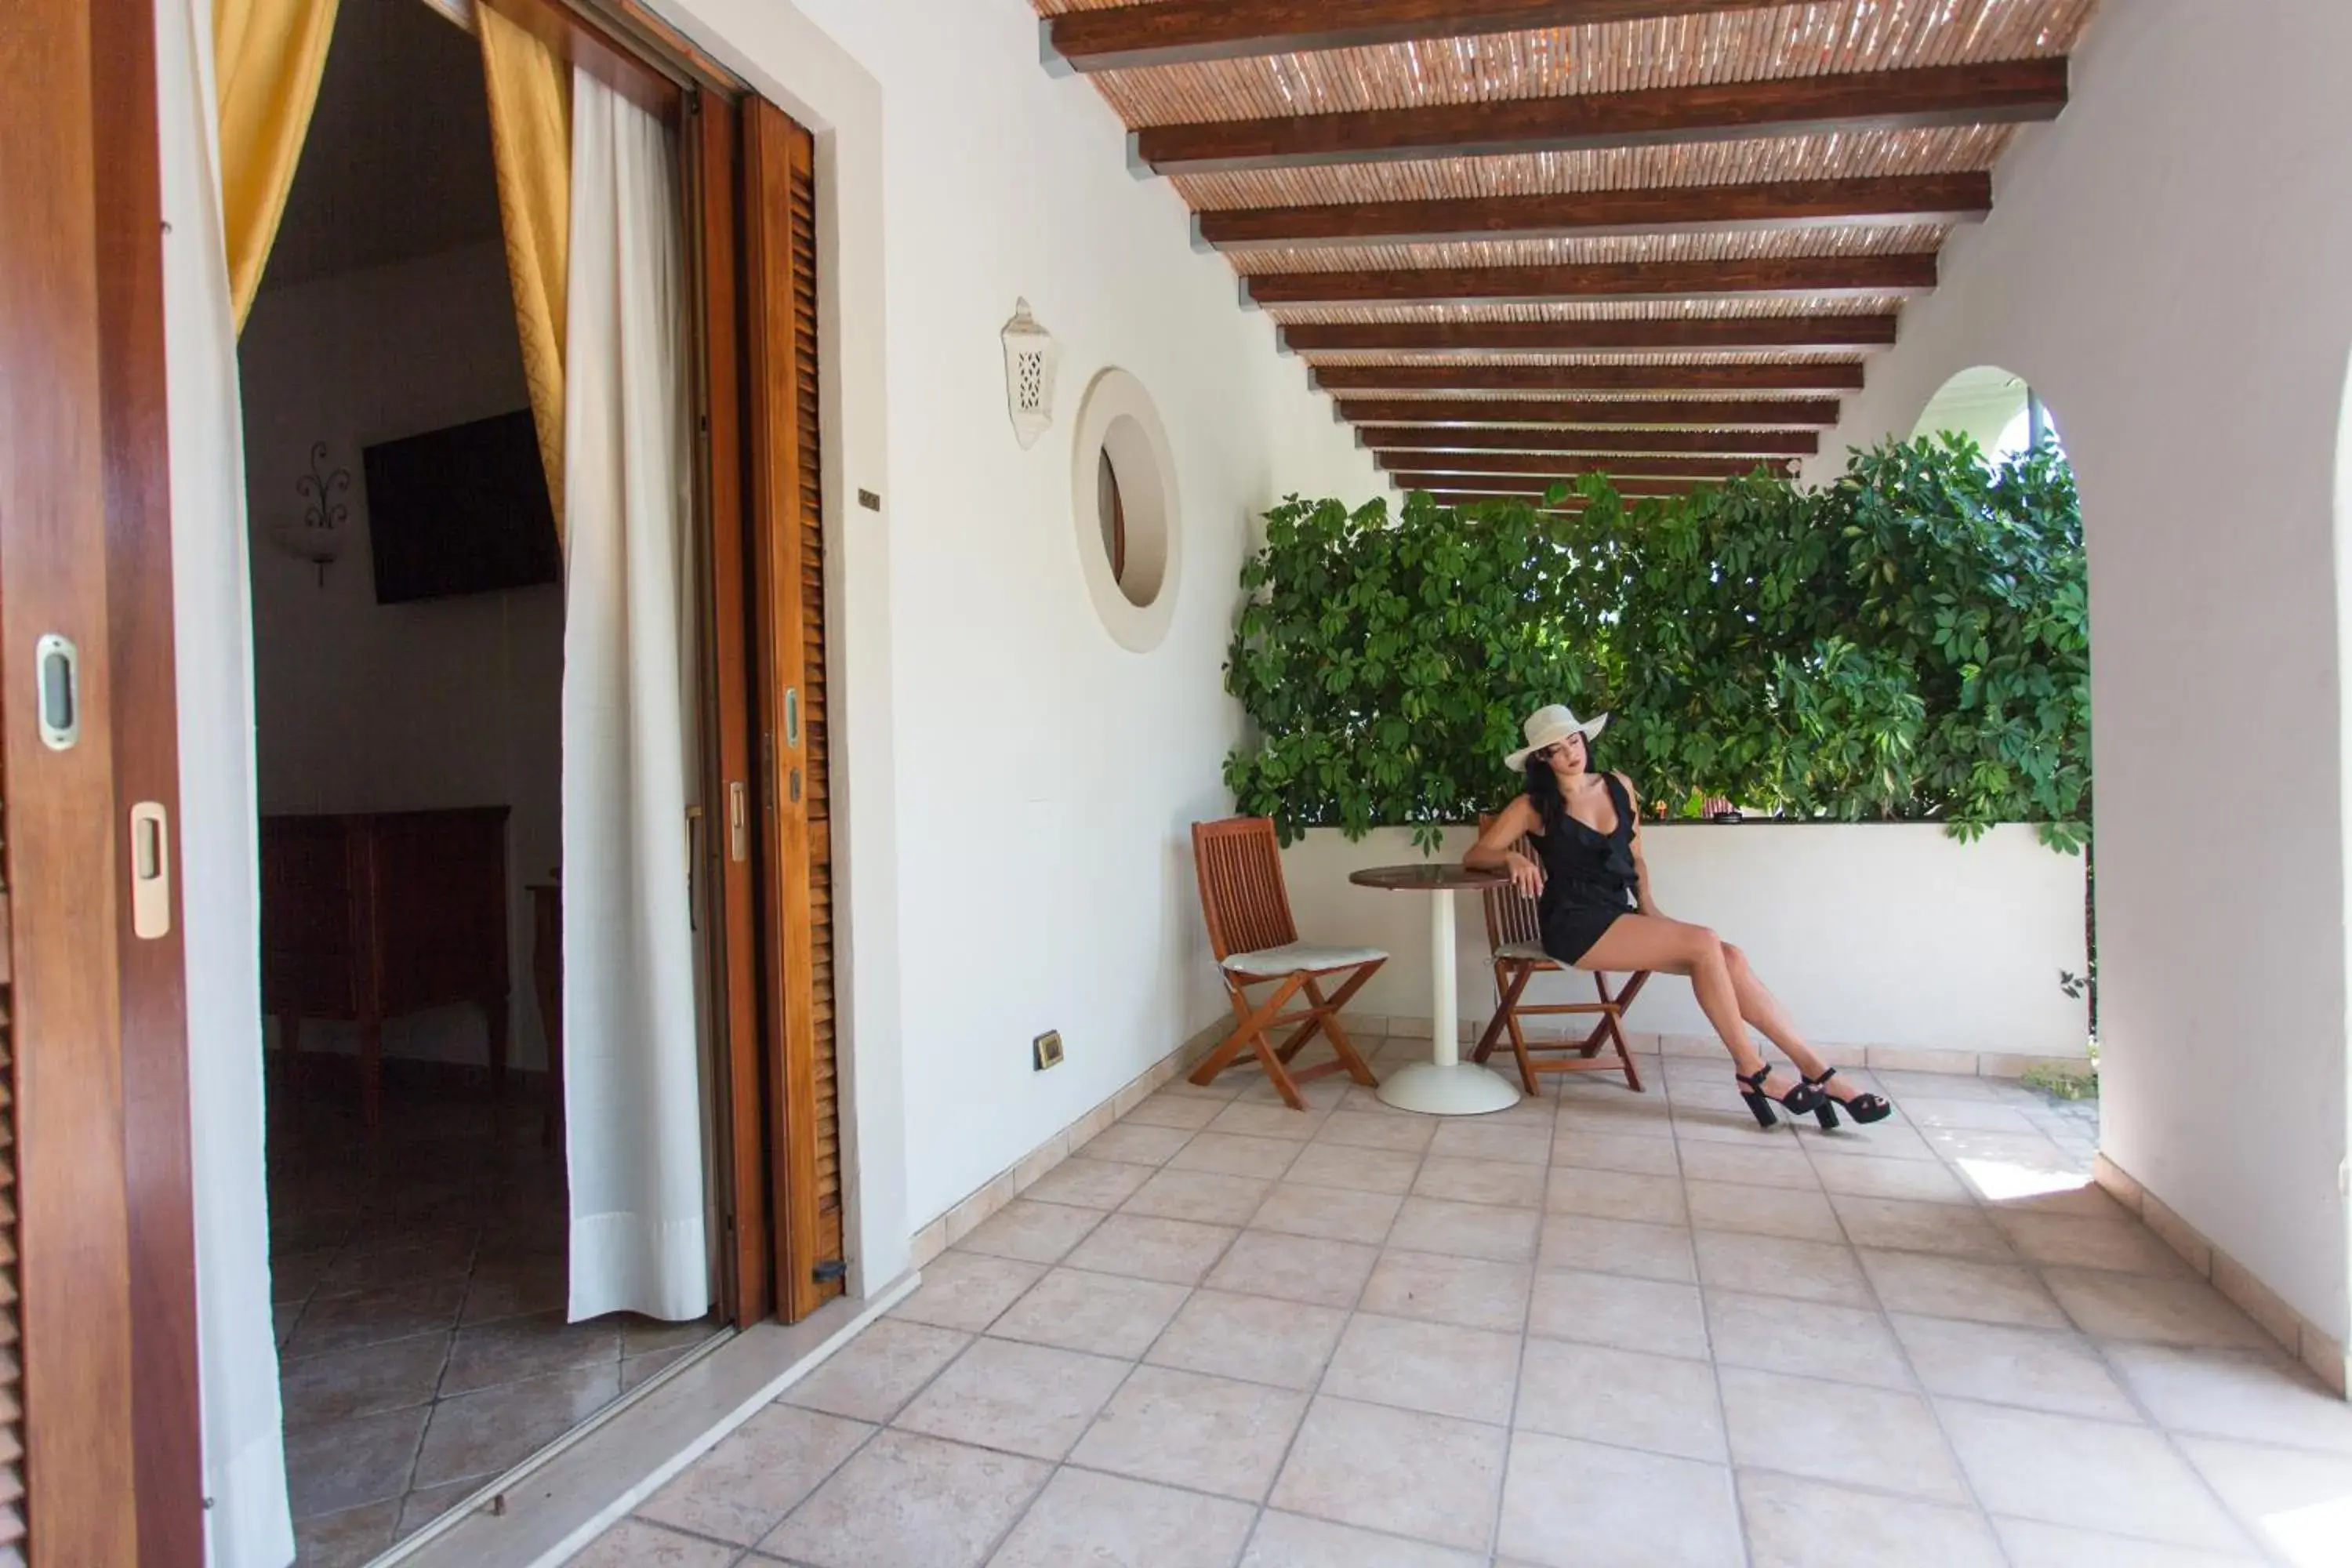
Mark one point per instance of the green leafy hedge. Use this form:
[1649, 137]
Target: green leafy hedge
[1908, 643]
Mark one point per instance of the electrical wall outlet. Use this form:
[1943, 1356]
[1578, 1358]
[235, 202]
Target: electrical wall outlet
[1046, 1050]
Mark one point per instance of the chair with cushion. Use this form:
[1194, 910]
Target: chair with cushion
[1515, 944]
[1251, 930]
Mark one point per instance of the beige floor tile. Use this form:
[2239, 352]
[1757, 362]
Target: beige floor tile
[1020, 1398]
[495, 1429]
[426, 1504]
[1432, 1478]
[1483, 1138]
[1255, 1338]
[389, 1376]
[1976, 1115]
[910, 1502]
[342, 1323]
[1255, 1119]
[757, 1474]
[2083, 1198]
[1332, 1213]
[2042, 1369]
[1881, 1141]
[1220, 1089]
[1087, 1181]
[1794, 1523]
[869, 1378]
[1915, 1181]
[1322, 1095]
[1108, 1521]
[1101, 1315]
[1295, 1268]
[1959, 1288]
[2034, 1545]
[1227, 1154]
[1385, 1130]
[2183, 1311]
[1772, 1266]
[1434, 1367]
[1761, 1211]
[1497, 1182]
[1838, 1432]
[1174, 1251]
[1165, 1109]
[1355, 1167]
[511, 1348]
[1779, 1165]
[1617, 1246]
[1623, 1115]
[1293, 1540]
[1471, 1292]
[967, 1289]
[633, 1543]
[1711, 1120]
[1467, 1230]
[1623, 1397]
[2013, 1154]
[1808, 1339]
[1902, 1225]
[1204, 1196]
[2068, 1241]
[1616, 1194]
[1618, 1310]
[1031, 1232]
[340, 1465]
[2299, 1504]
[2061, 1470]
[1580, 1505]
[1137, 1142]
[1187, 1429]
[1623, 1151]
[346, 1538]
[2256, 1395]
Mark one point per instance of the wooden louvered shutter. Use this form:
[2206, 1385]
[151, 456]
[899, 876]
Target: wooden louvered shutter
[12, 1367]
[788, 550]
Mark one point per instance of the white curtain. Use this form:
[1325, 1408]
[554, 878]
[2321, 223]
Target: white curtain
[246, 1524]
[632, 1091]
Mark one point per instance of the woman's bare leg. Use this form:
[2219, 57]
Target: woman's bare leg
[1675, 947]
[1760, 1008]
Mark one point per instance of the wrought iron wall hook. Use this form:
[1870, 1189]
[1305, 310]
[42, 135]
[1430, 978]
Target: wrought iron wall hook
[317, 540]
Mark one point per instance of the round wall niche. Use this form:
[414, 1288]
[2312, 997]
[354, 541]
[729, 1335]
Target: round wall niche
[1123, 501]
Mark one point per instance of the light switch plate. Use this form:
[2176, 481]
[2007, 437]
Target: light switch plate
[1046, 1050]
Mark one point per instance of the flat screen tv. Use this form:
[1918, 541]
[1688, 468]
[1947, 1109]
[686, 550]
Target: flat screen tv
[460, 510]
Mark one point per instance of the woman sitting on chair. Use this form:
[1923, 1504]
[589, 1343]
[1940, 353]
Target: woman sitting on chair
[1594, 895]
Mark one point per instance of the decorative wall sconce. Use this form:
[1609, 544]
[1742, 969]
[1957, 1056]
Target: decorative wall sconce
[1031, 358]
[316, 537]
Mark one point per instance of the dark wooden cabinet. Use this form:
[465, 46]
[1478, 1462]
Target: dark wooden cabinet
[370, 917]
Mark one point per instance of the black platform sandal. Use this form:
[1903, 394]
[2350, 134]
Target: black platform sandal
[1863, 1108]
[1798, 1100]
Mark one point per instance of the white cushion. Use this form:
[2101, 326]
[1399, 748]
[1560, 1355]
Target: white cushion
[1302, 956]
[1530, 950]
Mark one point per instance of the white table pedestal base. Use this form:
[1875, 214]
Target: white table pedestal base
[1445, 1084]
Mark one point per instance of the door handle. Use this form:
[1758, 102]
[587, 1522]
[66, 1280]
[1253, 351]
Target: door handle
[151, 871]
[56, 690]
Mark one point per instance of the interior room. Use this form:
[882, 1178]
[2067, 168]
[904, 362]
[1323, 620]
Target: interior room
[409, 622]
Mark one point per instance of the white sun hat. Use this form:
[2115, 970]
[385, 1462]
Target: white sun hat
[1548, 727]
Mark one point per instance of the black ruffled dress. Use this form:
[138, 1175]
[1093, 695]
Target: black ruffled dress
[1588, 879]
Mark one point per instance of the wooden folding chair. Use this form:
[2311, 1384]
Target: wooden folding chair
[1251, 930]
[1514, 946]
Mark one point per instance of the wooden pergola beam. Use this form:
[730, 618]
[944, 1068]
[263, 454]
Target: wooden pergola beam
[1905, 273]
[1571, 507]
[1817, 413]
[1495, 438]
[1514, 485]
[1589, 377]
[1189, 32]
[1695, 209]
[1674, 333]
[1561, 464]
[1930, 97]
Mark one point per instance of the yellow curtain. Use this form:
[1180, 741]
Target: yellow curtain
[268, 57]
[530, 137]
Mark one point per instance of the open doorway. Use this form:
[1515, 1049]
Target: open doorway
[410, 612]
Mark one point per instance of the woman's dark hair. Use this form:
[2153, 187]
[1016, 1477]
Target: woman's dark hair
[1543, 786]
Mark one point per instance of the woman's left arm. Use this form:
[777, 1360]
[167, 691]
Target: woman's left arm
[1641, 868]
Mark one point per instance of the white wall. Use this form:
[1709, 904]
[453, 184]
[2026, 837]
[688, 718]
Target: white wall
[369, 707]
[2169, 265]
[1045, 778]
[1879, 934]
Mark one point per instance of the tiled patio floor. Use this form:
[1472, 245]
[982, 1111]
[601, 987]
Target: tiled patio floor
[419, 1285]
[1599, 1329]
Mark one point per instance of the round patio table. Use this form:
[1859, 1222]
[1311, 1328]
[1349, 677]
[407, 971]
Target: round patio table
[1444, 1085]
